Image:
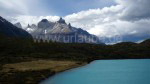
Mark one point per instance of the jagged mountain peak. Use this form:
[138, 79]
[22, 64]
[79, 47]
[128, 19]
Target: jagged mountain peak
[31, 28]
[44, 24]
[28, 26]
[61, 20]
[18, 24]
[69, 25]
[44, 20]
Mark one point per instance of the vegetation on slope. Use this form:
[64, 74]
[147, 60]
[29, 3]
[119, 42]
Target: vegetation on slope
[21, 52]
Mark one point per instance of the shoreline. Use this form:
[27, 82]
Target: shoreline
[39, 76]
[30, 73]
[73, 67]
[83, 65]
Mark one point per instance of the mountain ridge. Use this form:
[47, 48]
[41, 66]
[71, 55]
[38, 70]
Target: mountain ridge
[9, 30]
[60, 30]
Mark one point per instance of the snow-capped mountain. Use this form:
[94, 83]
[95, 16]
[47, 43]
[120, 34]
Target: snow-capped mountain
[60, 31]
[61, 28]
[8, 29]
[31, 28]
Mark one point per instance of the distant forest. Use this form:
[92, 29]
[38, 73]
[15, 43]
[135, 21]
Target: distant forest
[16, 49]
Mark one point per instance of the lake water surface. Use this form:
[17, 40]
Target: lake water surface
[106, 72]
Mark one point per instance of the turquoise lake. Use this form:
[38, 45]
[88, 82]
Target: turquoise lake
[106, 72]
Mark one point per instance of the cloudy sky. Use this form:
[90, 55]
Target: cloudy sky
[129, 19]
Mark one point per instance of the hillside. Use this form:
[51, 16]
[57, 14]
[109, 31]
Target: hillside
[9, 30]
[17, 52]
[18, 48]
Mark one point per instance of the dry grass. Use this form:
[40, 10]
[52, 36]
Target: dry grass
[56, 66]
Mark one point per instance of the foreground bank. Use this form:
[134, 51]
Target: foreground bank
[32, 72]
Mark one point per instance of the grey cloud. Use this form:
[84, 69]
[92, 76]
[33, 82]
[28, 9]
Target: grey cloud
[129, 18]
[135, 9]
[12, 8]
[5, 12]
